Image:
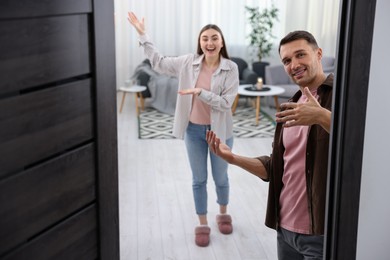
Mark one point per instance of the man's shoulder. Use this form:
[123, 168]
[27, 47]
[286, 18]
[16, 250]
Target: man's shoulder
[329, 80]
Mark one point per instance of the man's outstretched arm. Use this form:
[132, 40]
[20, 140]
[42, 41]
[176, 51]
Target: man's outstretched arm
[252, 165]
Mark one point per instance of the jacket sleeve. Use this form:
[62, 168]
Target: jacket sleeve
[162, 64]
[222, 96]
[266, 161]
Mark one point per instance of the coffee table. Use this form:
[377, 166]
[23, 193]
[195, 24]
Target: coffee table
[268, 90]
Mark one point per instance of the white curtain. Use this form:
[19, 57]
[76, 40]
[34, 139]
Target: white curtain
[318, 17]
[174, 26]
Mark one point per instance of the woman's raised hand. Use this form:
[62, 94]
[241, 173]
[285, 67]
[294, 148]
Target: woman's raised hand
[138, 25]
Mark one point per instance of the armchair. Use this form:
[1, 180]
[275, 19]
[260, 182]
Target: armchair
[161, 90]
[246, 75]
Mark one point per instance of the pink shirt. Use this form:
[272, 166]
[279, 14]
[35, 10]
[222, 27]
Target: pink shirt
[200, 112]
[294, 212]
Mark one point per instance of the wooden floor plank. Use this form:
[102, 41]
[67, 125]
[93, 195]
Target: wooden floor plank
[157, 213]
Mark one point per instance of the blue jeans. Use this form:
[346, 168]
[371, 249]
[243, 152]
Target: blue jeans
[294, 246]
[197, 151]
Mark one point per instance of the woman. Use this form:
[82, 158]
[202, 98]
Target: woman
[208, 83]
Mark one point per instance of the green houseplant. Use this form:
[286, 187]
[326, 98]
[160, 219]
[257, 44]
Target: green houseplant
[260, 36]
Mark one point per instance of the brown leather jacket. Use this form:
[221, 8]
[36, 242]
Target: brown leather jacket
[316, 167]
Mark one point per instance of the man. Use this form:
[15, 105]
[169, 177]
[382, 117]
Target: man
[297, 168]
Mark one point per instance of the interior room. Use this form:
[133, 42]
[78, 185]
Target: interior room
[154, 173]
[87, 172]
[174, 26]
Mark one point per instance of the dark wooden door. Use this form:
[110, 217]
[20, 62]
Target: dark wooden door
[58, 136]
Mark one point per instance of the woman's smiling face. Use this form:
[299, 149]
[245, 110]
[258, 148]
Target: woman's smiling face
[211, 42]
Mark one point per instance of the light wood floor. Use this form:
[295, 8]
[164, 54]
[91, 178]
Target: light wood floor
[157, 217]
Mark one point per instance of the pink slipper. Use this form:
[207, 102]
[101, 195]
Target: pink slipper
[202, 236]
[225, 223]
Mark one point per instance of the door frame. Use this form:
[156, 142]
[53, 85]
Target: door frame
[356, 26]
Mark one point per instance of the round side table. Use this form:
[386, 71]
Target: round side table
[138, 95]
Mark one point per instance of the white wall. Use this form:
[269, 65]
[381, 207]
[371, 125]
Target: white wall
[374, 213]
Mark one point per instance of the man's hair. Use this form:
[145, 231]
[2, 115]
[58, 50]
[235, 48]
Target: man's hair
[299, 35]
[223, 52]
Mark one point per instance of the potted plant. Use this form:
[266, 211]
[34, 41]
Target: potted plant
[261, 37]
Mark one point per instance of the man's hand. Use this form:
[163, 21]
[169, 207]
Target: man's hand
[220, 149]
[308, 113]
[252, 165]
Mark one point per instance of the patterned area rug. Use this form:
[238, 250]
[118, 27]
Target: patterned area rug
[153, 124]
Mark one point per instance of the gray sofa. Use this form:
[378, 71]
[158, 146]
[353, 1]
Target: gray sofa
[276, 76]
[161, 90]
